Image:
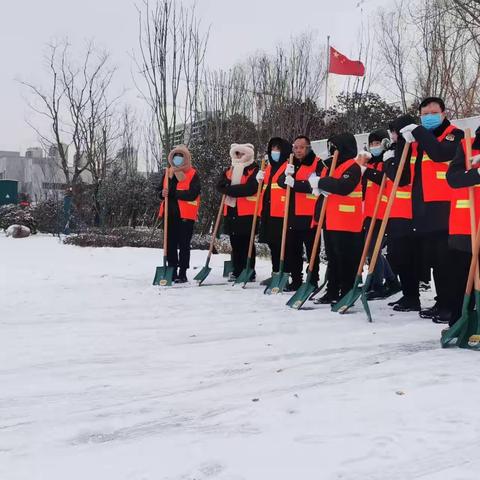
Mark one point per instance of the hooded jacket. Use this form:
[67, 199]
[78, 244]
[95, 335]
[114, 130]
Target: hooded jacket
[459, 177]
[347, 150]
[174, 195]
[270, 227]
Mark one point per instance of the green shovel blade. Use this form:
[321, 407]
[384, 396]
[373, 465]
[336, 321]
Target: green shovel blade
[450, 335]
[349, 299]
[227, 268]
[277, 284]
[202, 274]
[469, 336]
[244, 277]
[163, 276]
[363, 296]
[301, 295]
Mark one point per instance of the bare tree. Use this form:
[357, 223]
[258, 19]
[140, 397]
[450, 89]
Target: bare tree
[395, 45]
[170, 62]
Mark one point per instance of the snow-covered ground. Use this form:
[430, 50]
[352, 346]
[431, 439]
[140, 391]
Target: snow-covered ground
[103, 376]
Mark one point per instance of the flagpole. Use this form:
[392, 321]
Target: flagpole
[328, 68]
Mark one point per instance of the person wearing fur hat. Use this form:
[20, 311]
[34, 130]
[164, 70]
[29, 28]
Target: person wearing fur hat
[344, 216]
[385, 282]
[300, 233]
[273, 199]
[239, 184]
[184, 200]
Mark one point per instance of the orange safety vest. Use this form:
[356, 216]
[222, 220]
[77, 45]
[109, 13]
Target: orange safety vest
[344, 212]
[305, 202]
[188, 209]
[277, 193]
[459, 223]
[434, 181]
[402, 205]
[245, 205]
[371, 194]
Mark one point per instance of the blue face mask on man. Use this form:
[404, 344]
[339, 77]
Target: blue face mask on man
[177, 161]
[431, 121]
[376, 151]
[275, 156]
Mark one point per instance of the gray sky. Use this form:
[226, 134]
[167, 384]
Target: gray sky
[238, 28]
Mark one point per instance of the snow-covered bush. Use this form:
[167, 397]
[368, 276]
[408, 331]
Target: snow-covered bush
[15, 215]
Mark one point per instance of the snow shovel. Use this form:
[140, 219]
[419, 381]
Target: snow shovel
[307, 288]
[467, 328]
[279, 279]
[381, 233]
[247, 273]
[164, 275]
[205, 271]
[353, 295]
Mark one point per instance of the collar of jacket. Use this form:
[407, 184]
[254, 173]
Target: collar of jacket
[439, 130]
[308, 160]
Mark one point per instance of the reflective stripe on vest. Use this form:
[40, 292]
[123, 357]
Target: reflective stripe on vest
[344, 212]
[188, 209]
[459, 222]
[277, 193]
[371, 195]
[305, 202]
[245, 205]
[434, 181]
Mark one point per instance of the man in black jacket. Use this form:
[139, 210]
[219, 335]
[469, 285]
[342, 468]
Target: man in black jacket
[434, 143]
[302, 206]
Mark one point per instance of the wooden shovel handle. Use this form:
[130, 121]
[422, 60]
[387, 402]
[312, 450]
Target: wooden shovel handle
[165, 214]
[371, 228]
[285, 217]
[391, 199]
[471, 198]
[257, 204]
[323, 212]
[216, 227]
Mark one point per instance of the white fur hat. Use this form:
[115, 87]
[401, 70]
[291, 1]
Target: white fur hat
[247, 148]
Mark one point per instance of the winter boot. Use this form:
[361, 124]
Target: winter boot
[430, 312]
[407, 304]
[327, 299]
[391, 287]
[182, 277]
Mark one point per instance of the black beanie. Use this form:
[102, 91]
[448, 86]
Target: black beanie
[378, 135]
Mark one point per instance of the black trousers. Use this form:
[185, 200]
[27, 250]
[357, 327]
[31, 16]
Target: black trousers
[239, 245]
[459, 267]
[343, 250]
[275, 246]
[404, 256]
[437, 251]
[296, 240]
[179, 237]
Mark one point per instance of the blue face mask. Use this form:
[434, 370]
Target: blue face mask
[177, 161]
[275, 156]
[431, 121]
[376, 151]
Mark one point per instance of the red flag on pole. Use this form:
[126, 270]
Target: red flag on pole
[341, 65]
